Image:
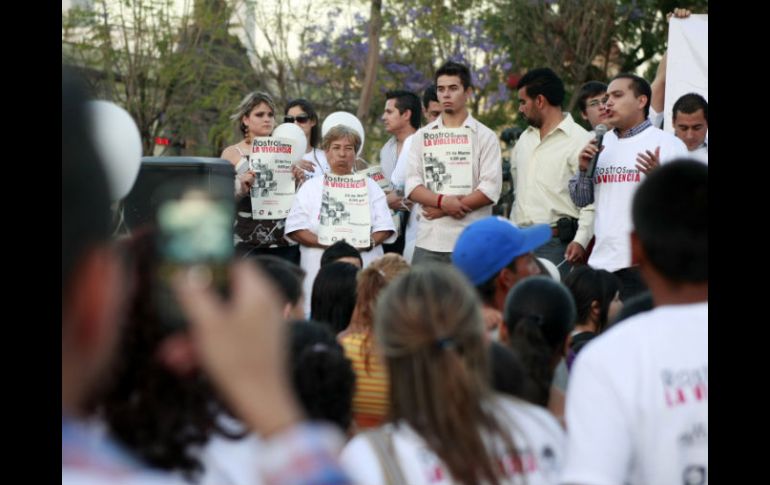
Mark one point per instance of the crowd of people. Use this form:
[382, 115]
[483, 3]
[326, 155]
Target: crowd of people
[456, 347]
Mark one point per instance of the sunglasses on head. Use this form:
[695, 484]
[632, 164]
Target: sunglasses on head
[298, 119]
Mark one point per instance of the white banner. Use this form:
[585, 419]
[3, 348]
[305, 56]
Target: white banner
[688, 61]
[345, 210]
[447, 160]
[273, 191]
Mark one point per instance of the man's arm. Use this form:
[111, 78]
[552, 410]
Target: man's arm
[490, 183]
[306, 238]
[449, 204]
[476, 200]
[658, 85]
[581, 190]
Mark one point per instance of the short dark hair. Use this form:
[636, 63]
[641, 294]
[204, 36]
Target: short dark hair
[340, 249]
[307, 107]
[589, 90]
[543, 81]
[285, 274]
[407, 100]
[86, 219]
[670, 215]
[452, 68]
[429, 95]
[640, 87]
[690, 103]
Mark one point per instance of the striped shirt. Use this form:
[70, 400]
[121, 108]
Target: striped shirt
[370, 400]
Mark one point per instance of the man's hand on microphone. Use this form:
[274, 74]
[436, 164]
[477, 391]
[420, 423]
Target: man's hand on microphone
[588, 152]
[647, 161]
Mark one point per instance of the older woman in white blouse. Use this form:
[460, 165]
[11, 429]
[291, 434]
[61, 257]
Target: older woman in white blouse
[340, 146]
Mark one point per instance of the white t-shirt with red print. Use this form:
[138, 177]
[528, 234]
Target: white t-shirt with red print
[538, 437]
[637, 402]
[615, 181]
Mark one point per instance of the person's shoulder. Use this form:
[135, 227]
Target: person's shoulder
[573, 128]
[360, 461]
[311, 184]
[619, 340]
[390, 141]
[665, 135]
[534, 420]
[231, 153]
[483, 129]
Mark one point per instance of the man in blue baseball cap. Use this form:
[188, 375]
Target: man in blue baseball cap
[494, 254]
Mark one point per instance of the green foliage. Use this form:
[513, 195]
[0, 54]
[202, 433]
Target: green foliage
[176, 73]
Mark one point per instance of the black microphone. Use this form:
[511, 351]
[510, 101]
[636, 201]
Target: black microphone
[600, 131]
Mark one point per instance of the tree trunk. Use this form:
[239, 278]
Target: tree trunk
[372, 58]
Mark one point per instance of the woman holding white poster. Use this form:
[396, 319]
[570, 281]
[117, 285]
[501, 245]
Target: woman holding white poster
[354, 209]
[256, 118]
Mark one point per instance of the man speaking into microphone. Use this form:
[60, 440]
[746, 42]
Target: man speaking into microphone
[542, 162]
[628, 153]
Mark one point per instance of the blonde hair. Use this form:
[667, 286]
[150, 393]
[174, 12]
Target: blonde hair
[251, 101]
[430, 330]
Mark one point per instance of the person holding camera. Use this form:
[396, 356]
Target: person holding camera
[542, 162]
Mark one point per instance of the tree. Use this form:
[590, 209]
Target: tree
[583, 40]
[172, 70]
[414, 41]
[372, 58]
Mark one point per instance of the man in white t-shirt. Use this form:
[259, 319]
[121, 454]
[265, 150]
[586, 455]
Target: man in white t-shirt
[637, 402]
[443, 217]
[630, 151]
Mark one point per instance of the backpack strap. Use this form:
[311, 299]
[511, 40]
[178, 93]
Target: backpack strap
[382, 444]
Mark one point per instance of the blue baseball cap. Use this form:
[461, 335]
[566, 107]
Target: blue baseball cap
[490, 244]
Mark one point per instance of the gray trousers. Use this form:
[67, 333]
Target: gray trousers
[422, 256]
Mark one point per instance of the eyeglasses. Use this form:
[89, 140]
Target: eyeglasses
[597, 102]
[299, 119]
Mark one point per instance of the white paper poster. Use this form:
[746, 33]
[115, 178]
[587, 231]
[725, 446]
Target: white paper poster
[447, 160]
[273, 191]
[345, 210]
[375, 173]
[687, 70]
